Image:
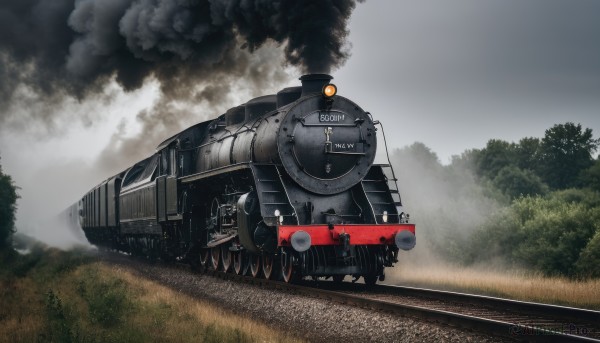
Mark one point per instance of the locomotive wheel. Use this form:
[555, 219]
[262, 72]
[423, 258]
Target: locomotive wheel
[215, 254]
[245, 262]
[226, 258]
[287, 268]
[255, 265]
[268, 262]
[204, 257]
[238, 262]
[370, 279]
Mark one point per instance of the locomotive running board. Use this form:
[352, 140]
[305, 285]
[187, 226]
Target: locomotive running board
[214, 172]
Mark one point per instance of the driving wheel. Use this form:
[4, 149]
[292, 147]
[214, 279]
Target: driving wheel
[287, 267]
[255, 265]
[238, 262]
[215, 254]
[267, 262]
[226, 258]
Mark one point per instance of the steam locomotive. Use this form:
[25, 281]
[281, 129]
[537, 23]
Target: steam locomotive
[284, 186]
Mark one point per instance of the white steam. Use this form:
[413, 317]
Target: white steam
[445, 203]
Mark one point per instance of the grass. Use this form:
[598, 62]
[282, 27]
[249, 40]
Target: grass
[54, 296]
[512, 284]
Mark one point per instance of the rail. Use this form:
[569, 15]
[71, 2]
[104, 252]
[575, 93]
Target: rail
[516, 320]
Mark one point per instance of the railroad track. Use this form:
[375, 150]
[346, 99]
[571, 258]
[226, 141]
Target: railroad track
[516, 320]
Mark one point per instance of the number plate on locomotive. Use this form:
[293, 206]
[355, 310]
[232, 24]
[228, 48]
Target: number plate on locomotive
[325, 117]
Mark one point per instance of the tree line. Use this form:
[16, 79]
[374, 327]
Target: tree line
[562, 159]
[548, 191]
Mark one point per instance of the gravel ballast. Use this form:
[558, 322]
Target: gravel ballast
[313, 319]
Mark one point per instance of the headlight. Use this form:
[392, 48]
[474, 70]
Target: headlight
[385, 217]
[329, 90]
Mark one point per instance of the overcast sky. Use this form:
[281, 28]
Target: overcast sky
[450, 74]
[453, 74]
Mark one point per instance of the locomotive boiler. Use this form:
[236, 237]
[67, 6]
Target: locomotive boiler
[283, 186]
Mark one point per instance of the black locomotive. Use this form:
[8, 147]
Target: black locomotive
[282, 186]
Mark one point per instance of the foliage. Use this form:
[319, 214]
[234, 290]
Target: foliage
[515, 182]
[107, 299]
[555, 235]
[8, 207]
[586, 197]
[60, 326]
[588, 264]
[591, 177]
[542, 233]
[509, 168]
[566, 151]
[496, 155]
[561, 159]
[455, 206]
[50, 295]
[528, 154]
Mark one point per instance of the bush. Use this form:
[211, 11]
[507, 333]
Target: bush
[591, 177]
[555, 235]
[585, 197]
[515, 182]
[60, 328]
[546, 234]
[588, 264]
[107, 299]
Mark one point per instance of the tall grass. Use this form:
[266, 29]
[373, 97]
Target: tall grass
[54, 296]
[513, 284]
[172, 316]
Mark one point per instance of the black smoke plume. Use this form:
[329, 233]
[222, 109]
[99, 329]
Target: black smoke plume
[74, 48]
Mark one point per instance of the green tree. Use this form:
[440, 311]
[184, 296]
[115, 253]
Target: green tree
[8, 200]
[528, 154]
[566, 150]
[496, 155]
[515, 182]
[590, 177]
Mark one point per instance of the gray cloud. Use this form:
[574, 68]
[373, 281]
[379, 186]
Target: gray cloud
[455, 74]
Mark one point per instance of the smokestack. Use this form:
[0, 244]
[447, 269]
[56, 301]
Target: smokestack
[313, 83]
